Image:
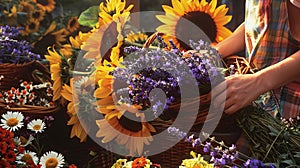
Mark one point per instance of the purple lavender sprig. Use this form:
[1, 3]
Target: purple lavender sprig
[220, 154]
[13, 50]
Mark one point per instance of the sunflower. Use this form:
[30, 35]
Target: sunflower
[55, 61]
[50, 38]
[36, 125]
[112, 18]
[206, 16]
[25, 7]
[131, 133]
[73, 24]
[12, 121]
[38, 14]
[136, 37]
[48, 5]
[112, 9]
[52, 159]
[70, 94]
[31, 26]
[22, 158]
[11, 15]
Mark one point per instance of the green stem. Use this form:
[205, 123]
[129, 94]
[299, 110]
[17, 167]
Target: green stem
[272, 144]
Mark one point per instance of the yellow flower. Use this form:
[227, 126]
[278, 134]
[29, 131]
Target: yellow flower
[112, 18]
[195, 162]
[26, 7]
[48, 5]
[69, 93]
[136, 37]
[73, 24]
[134, 135]
[55, 61]
[38, 14]
[31, 26]
[112, 9]
[206, 16]
[50, 38]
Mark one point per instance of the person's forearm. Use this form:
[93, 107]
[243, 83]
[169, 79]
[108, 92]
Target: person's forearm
[232, 44]
[280, 74]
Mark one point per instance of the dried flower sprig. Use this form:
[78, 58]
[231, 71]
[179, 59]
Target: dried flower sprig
[25, 95]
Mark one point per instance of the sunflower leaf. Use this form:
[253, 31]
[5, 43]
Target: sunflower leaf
[89, 17]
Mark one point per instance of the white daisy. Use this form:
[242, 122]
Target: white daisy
[26, 156]
[36, 125]
[12, 121]
[52, 159]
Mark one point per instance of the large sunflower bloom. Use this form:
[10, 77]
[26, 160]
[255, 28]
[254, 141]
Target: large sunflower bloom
[70, 94]
[112, 18]
[55, 61]
[126, 132]
[206, 16]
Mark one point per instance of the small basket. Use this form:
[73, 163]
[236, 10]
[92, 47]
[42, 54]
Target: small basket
[32, 71]
[226, 130]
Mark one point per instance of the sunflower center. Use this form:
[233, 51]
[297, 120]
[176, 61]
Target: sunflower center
[130, 124]
[36, 127]
[72, 23]
[36, 14]
[12, 122]
[32, 26]
[51, 163]
[43, 2]
[186, 32]
[26, 157]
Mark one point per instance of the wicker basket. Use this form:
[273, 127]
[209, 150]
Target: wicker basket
[14, 74]
[226, 129]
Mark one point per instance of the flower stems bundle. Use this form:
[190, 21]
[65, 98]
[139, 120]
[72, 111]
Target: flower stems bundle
[271, 139]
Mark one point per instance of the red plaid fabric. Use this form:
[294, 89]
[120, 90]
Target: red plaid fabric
[269, 41]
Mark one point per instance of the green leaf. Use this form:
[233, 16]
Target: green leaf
[297, 155]
[288, 162]
[89, 17]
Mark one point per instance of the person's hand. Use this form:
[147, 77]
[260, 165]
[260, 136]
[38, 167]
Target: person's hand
[236, 92]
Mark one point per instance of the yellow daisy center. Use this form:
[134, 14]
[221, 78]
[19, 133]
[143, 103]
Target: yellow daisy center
[26, 157]
[51, 163]
[36, 127]
[23, 140]
[12, 122]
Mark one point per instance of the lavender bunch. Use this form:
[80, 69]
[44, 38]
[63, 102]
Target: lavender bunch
[13, 50]
[167, 70]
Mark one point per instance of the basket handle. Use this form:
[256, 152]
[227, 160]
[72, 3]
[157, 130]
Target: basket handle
[151, 38]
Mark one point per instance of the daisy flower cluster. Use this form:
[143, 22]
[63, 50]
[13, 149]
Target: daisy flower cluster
[17, 151]
[13, 50]
[26, 95]
[140, 162]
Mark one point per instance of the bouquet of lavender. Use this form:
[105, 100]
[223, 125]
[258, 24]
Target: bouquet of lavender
[13, 50]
